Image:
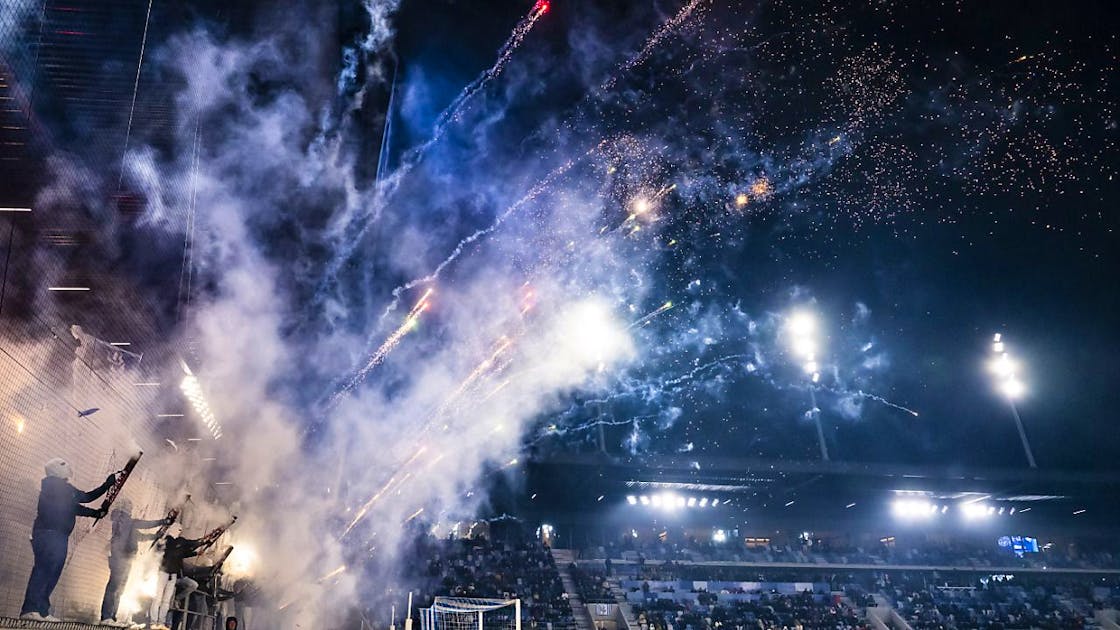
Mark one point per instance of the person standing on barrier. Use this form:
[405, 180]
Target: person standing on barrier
[59, 506]
[175, 550]
[122, 549]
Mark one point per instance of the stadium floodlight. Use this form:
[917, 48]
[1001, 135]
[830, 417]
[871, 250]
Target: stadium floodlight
[691, 501]
[911, 509]
[802, 329]
[1013, 388]
[704, 502]
[656, 500]
[715, 502]
[1006, 370]
[679, 502]
[975, 510]
[719, 536]
[644, 499]
[632, 500]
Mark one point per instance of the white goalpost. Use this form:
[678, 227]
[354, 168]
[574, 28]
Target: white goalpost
[471, 613]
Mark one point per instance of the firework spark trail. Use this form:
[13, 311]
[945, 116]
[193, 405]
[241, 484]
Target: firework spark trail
[661, 387]
[477, 373]
[647, 318]
[872, 397]
[500, 387]
[365, 508]
[385, 488]
[533, 193]
[455, 109]
[503, 344]
[399, 483]
[691, 374]
[339, 571]
[554, 429]
[413, 515]
[452, 113]
[288, 602]
[386, 347]
[654, 40]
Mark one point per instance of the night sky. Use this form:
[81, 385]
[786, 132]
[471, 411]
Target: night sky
[948, 166]
[918, 175]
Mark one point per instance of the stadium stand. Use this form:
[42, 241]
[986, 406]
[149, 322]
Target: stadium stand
[591, 584]
[521, 568]
[928, 554]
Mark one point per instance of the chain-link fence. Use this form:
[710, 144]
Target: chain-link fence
[50, 380]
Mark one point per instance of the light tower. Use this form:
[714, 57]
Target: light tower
[1007, 382]
[802, 328]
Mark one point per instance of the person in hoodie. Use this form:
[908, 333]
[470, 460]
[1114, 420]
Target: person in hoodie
[59, 506]
[122, 549]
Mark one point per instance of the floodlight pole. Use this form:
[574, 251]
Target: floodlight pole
[820, 430]
[1022, 433]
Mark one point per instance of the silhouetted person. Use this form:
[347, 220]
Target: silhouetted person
[59, 506]
[122, 549]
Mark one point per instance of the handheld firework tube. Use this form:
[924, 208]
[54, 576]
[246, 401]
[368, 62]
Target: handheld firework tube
[114, 491]
[222, 559]
[169, 520]
[212, 537]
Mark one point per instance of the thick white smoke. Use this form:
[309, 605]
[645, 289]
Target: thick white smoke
[524, 316]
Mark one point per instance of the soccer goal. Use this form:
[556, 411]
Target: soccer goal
[469, 613]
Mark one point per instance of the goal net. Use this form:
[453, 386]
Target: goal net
[469, 613]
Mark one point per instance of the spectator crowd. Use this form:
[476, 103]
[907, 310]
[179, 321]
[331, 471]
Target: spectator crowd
[520, 567]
